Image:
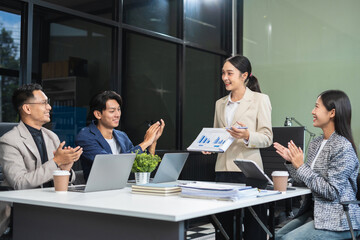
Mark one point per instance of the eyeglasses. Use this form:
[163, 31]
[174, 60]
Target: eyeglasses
[45, 102]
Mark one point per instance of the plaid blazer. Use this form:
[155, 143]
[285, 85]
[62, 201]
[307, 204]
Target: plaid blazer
[333, 180]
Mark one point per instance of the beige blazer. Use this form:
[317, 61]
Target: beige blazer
[254, 111]
[21, 161]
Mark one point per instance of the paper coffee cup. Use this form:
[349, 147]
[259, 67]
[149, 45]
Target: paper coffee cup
[280, 179]
[61, 180]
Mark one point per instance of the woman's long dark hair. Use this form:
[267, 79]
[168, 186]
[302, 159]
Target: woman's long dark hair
[243, 64]
[338, 100]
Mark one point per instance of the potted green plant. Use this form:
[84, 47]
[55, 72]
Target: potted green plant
[144, 164]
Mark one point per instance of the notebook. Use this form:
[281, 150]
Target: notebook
[108, 172]
[170, 167]
[160, 189]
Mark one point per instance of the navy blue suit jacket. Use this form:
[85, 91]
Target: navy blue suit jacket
[93, 143]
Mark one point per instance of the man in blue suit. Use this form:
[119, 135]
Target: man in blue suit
[100, 137]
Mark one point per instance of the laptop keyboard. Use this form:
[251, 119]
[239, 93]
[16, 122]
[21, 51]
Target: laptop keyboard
[77, 188]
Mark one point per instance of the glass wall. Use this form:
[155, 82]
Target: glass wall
[156, 15]
[202, 88]
[163, 56]
[72, 60]
[205, 23]
[10, 34]
[149, 91]
[103, 8]
[301, 48]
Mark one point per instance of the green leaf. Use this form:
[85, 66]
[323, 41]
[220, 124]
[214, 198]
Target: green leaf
[145, 162]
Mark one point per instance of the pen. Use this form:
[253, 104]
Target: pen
[238, 127]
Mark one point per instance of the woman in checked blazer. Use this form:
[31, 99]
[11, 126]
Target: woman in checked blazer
[330, 172]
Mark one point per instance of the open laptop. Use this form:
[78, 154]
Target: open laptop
[170, 167]
[108, 172]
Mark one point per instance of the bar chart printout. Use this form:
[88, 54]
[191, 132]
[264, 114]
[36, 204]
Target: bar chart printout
[211, 140]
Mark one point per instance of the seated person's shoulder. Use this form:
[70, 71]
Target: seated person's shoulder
[84, 133]
[86, 137]
[340, 143]
[49, 132]
[120, 133]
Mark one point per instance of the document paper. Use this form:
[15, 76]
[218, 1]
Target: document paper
[217, 191]
[212, 140]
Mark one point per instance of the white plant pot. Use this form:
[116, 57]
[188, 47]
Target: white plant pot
[142, 177]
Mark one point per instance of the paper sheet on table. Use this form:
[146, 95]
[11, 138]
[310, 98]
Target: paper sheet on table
[217, 191]
[212, 140]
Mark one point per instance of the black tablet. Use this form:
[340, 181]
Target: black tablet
[251, 170]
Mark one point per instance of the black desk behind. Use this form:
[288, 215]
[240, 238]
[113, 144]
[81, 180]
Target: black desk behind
[271, 160]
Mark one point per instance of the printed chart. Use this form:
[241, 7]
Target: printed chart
[212, 140]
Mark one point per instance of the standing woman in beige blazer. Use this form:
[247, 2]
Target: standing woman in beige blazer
[246, 108]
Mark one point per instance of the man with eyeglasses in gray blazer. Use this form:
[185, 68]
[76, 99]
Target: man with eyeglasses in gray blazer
[29, 153]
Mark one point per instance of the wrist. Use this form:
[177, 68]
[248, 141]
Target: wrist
[144, 146]
[297, 165]
[56, 162]
[247, 136]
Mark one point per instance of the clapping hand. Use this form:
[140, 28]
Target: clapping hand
[296, 155]
[291, 154]
[160, 130]
[65, 157]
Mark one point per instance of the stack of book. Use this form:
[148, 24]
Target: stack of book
[217, 191]
[160, 189]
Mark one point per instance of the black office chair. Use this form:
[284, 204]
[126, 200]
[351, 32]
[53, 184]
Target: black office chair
[346, 207]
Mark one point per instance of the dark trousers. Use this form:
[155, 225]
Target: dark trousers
[252, 229]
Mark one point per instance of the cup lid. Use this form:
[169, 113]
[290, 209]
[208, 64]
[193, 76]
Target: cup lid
[61, 173]
[280, 174]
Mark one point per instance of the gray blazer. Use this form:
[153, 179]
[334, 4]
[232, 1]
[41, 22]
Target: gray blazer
[21, 159]
[332, 180]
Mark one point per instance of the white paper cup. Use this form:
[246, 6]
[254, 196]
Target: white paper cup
[61, 180]
[280, 179]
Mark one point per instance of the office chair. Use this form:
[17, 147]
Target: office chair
[346, 207]
[4, 128]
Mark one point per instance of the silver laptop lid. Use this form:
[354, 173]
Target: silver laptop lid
[109, 172]
[170, 167]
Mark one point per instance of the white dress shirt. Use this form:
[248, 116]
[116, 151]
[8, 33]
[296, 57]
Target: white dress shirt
[230, 110]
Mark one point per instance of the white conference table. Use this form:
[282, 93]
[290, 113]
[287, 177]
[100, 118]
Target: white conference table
[116, 214]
